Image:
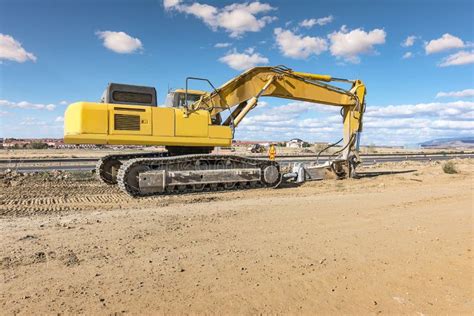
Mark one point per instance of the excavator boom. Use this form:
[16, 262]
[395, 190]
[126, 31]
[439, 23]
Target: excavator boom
[244, 91]
[285, 84]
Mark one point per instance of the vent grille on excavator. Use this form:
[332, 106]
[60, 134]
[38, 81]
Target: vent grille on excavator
[124, 122]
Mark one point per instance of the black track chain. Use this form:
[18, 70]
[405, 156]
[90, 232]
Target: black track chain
[99, 167]
[158, 163]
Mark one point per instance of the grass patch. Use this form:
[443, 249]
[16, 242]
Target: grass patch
[81, 175]
[450, 168]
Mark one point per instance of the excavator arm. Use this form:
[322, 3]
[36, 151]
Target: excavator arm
[241, 94]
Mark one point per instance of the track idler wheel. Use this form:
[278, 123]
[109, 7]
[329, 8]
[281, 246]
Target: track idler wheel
[271, 176]
[107, 170]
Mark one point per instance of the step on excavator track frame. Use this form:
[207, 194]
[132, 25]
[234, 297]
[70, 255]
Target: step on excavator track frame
[107, 166]
[196, 173]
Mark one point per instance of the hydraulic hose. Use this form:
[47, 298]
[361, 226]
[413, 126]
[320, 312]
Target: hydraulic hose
[326, 148]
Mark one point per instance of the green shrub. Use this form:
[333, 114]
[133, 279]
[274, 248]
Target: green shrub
[449, 167]
[38, 145]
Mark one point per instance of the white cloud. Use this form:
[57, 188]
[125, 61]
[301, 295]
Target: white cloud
[299, 107]
[409, 41]
[418, 123]
[407, 55]
[445, 42]
[385, 125]
[64, 102]
[3, 113]
[222, 45]
[426, 109]
[27, 105]
[349, 44]
[461, 58]
[120, 42]
[298, 46]
[290, 120]
[168, 4]
[11, 49]
[33, 121]
[456, 94]
[236, 18]
[243, 61]
[309, 23]
[59, 119]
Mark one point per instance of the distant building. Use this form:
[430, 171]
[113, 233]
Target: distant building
[247, 143]
[15, 143]
[295, 143]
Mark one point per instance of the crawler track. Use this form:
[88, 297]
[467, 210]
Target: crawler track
[127, 176]
[105, 165]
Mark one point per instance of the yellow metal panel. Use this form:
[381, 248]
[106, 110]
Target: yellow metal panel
[87, 123]
[200, 92]
[85, 118]
[326, 78]
[353, 114]
[86, 139]
[194, 124]
[217, 131]
[73, 119]
[163, 121]
[143, 112]
[146, 140]
[167, 140]
[94, 118]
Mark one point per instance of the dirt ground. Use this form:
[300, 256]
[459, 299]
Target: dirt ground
[386, 243]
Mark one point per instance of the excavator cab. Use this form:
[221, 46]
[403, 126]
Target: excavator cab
[175, 98]
[118, 93]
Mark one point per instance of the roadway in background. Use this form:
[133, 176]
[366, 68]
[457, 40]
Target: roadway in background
[88, 164]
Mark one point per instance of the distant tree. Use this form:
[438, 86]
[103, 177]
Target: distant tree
[38, 145]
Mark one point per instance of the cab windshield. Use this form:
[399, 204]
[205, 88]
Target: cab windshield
[176, 99]
[191, 99]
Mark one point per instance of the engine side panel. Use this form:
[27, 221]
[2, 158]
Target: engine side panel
[99, 123]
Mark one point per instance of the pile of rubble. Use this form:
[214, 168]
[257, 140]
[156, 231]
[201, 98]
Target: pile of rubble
[11, 177]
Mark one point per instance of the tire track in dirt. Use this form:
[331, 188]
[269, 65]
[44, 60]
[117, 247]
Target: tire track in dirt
[26, 195]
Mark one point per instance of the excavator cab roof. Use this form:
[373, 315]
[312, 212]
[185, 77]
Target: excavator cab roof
[200, 92]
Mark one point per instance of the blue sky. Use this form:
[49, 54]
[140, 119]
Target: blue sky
[416, 58]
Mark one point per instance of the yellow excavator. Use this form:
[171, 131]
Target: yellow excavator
[192, 124]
